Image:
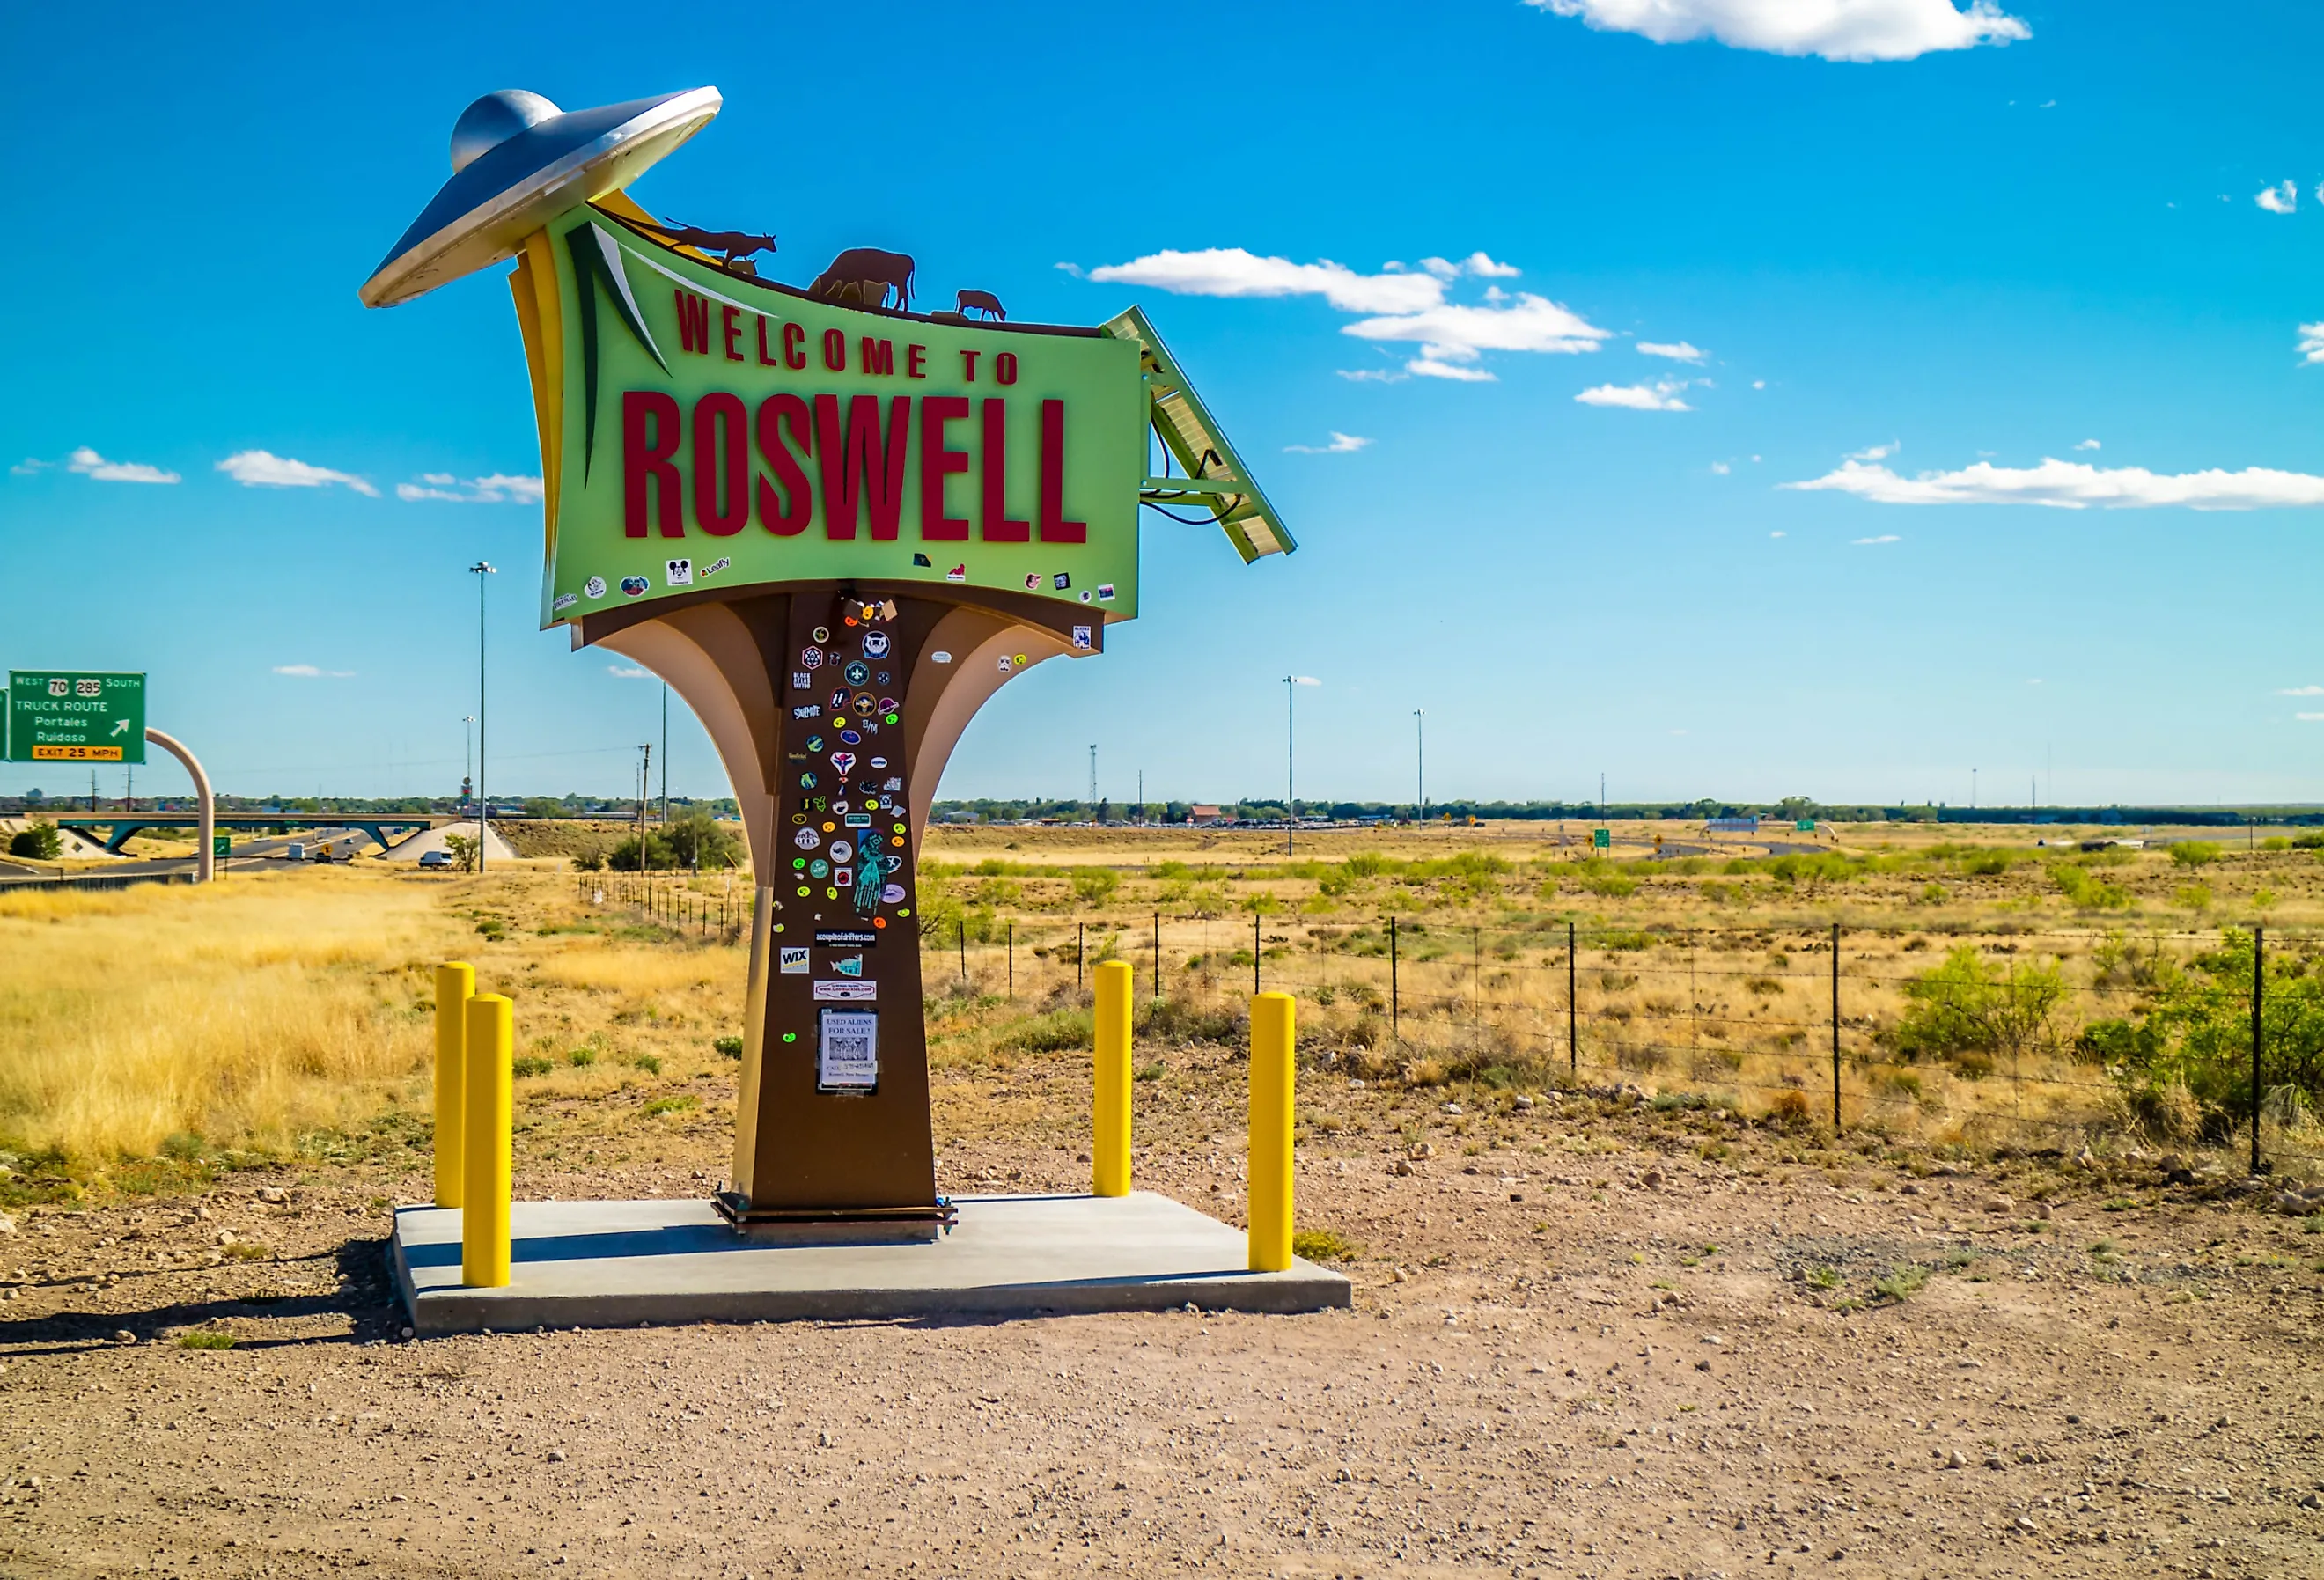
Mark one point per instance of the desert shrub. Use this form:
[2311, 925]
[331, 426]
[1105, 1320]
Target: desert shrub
[462, 848]
[41, 842]
[732, 1046]
[1966, 1005]
[581, 1059]
[1184, 1021]
[1323, 1245]
[2194, 853]
[1095, 885]
[2194, 1031]
[1057, 1031]
[530, 1064]
[682, 1102]
[589, 861]
[2087, 893]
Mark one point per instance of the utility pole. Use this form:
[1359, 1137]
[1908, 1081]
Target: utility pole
[665, 753]
[1093, 785]
[469, 779]
[480, 571]
[1420, 758]
[645, 782]
[1141, 798]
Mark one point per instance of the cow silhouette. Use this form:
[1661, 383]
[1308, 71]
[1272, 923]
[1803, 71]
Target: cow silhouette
[737, 245]
[865, 275]
[983, 301]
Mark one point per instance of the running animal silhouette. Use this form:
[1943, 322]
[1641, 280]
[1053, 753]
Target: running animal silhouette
[983, 301]
[865, 275]
[734, 246]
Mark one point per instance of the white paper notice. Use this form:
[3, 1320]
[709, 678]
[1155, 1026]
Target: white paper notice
[848, 1055]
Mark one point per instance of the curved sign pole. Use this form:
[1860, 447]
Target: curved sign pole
[205, 858]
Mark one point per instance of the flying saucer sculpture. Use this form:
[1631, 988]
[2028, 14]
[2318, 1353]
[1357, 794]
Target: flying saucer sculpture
[835, 528]
[518, 161]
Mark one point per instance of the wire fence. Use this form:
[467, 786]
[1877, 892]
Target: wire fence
[1984, 1031]
[1973, 1033]
[93, 882]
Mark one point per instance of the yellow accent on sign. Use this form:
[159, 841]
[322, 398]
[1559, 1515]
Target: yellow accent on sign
[76, 754]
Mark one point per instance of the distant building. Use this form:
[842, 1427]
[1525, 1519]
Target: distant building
[1203, 814]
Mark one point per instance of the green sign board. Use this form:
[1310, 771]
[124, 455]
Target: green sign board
[703, 431]
[1602, 838]
[1804, 825]
[221, 846]
[75, 715]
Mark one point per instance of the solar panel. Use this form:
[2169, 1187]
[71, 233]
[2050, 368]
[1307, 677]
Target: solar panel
[1216, 478]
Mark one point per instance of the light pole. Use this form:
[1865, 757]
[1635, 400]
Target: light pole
[665, 753]
[645, 783]
[469, 779]
[1291, 684]
[1420, 757]
[480, 571]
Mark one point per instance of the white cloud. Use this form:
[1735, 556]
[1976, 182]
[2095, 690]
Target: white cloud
[621, 674]
[1400, 306]
[500, 488]
[89, 464]
[2089, 444]
[2281, 199]
[1075, 269]
[2302, 692]
[1233, 272]
[1883, 538]
[1775, 534]
[1656, 397]
[1720, 468]
[1837, 29]
[1374, 376]
[2075, 486]
[264, 469]
[311, 672]
[1759, 384]
[2310, 717]
[1342, 444]
[1678, 352]
[2312, 342]
[1429, 367]
[1878, 452]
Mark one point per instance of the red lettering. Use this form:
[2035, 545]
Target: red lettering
[646, 464]
[968, 364]
[835, 350]
[937, 464]
[693, 322]
[783, 423]
[914, 356]
[722, 464]
[730, 319]
[997, 528]
[879, 355]
[794, 345]
[1054, 528]
[1004, 367]
[764, 360]
[860, 464]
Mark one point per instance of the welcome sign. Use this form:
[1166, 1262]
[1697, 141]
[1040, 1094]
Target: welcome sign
[712, 431]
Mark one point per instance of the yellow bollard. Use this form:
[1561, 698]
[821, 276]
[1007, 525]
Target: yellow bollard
[485, 1175]
[1110, 1146]
[1273, 1026]
[455, 985]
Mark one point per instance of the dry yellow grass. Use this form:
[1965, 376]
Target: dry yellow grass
[243, 1013]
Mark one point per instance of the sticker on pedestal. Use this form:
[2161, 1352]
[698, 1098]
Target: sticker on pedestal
[794, 959]
[847, 1047]
[845, 993]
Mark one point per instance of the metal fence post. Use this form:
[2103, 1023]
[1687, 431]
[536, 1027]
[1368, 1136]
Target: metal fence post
[1394, 1018]
[1835, 1028]
[1158, 956]
[1573, 1007]
[1254, 952]
[1012, 959]
[2259, 987]
[1081, 948]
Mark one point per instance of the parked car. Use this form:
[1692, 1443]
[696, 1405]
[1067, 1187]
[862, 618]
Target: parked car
[435, 860]
[295, 851]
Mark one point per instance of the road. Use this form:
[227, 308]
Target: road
[252, 853]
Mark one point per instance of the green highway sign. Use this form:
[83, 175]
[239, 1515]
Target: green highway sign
[75, 715]
[221, 846]
[1803, 825]
[1602, 838]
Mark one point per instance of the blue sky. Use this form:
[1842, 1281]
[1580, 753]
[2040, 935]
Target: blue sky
[2026, 246]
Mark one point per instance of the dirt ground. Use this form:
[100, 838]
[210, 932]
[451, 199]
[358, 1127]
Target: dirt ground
[1589, 1339]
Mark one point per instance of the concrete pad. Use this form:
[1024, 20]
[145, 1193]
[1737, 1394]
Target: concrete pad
[412, 846]
[619, 1263]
